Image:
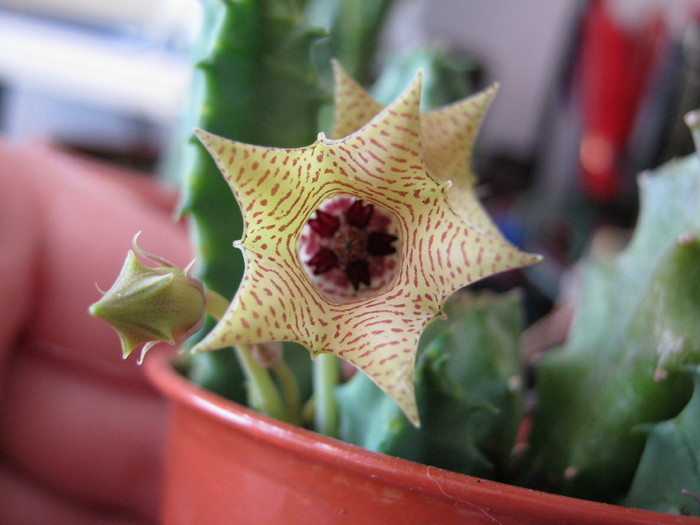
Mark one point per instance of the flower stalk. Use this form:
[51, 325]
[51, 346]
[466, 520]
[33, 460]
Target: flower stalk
[290, 390]
[263, 394]
[326, 376]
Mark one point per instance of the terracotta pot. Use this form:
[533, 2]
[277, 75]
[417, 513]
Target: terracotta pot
[229, 465]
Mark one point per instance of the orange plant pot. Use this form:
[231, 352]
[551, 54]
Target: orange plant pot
[226, 464]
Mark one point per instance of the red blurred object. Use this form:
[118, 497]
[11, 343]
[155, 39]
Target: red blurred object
[226, 464]
[615, 65]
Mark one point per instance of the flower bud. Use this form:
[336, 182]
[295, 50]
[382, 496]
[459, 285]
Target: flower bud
[147, 305]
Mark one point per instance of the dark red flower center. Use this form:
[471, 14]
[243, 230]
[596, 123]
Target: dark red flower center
[348, 243]
[349, 248]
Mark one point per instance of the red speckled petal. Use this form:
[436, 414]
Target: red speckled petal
[382, 164]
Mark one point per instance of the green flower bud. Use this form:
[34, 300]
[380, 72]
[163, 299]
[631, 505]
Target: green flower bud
[147, 305]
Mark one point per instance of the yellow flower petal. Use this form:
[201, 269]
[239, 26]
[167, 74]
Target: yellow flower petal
[382, 163]
[447, 134]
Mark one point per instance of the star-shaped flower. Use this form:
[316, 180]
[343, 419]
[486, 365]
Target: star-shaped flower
[281, 192]
[447, 133]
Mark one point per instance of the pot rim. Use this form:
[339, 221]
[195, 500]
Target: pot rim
[451, 486]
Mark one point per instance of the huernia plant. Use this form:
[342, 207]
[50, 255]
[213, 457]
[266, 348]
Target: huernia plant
[630, 359]
[352, 246]
[332, 298]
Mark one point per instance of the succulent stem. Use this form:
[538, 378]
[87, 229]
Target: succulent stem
[263, 394]
[326, 374]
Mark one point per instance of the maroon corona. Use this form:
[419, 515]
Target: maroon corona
[349, 248]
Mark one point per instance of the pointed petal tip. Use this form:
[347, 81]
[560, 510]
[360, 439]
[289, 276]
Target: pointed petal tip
[405, 107]
[418, 81]
[483, 98]
[205, 137]
[414, 90]
[489, 94]
[338, 69]
[414, 419]
[409, 407]
[528, 259]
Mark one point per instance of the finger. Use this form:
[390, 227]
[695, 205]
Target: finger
[23, 501]
[19, 253]
[87, 227]
[143, 184]
[88, 440]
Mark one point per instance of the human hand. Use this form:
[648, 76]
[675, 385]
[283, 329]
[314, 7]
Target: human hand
[81, 432]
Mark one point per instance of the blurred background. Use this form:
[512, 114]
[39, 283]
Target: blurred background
[592, 92]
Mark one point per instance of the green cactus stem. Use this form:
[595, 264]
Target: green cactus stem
[253, 81]
[624, 364]
[667, 479]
